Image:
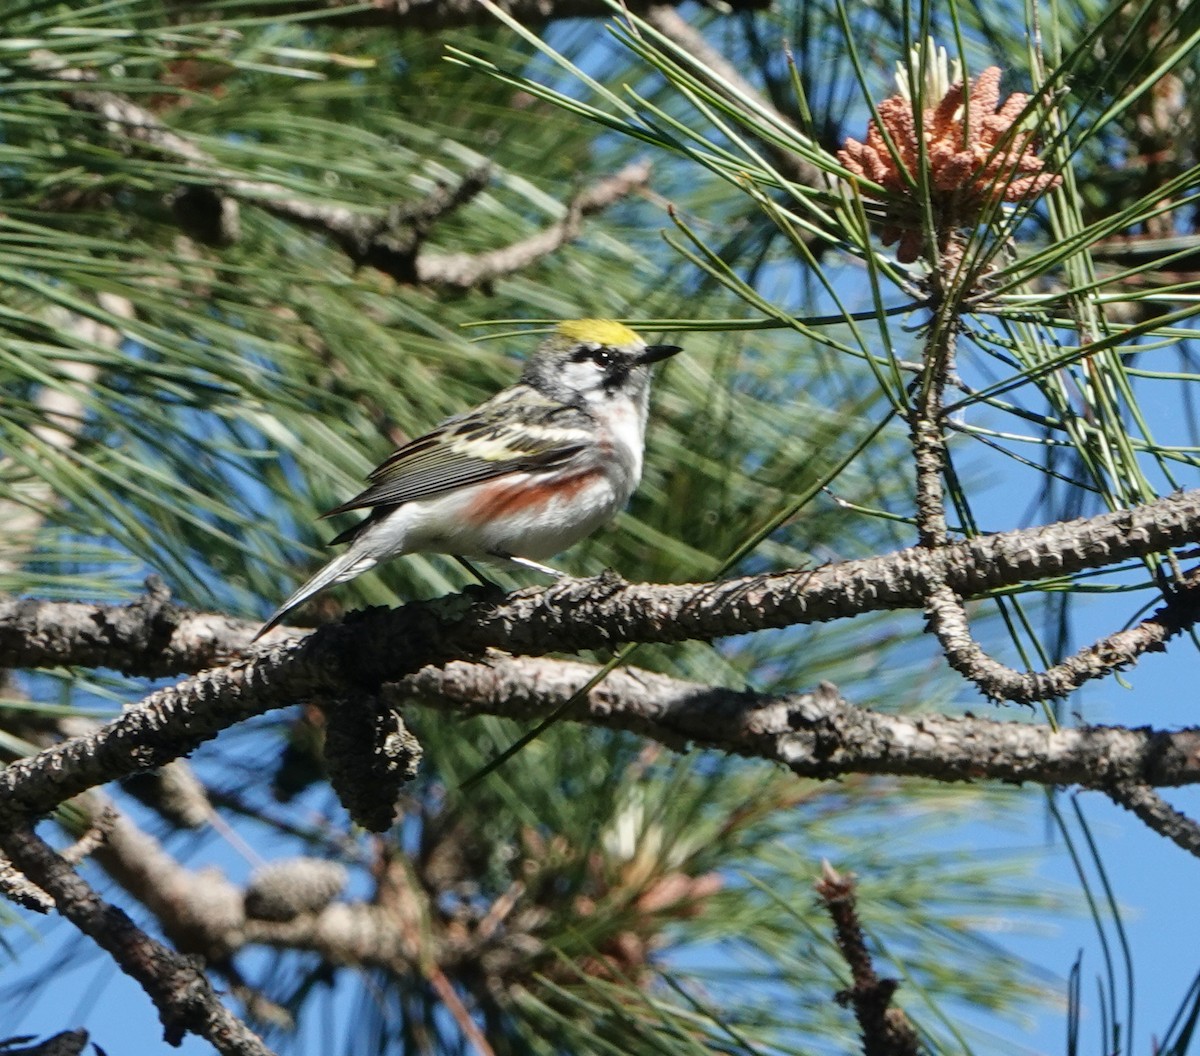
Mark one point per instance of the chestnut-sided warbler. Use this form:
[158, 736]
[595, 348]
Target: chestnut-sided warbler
[522, 476]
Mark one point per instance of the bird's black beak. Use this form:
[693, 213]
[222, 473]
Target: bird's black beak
[655, 353]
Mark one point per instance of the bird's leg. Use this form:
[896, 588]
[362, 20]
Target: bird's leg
[475, 572]
[528, 562]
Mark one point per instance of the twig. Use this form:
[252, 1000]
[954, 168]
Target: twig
[925, 421]
[179, 989]
[1141, 800]
[945, 611]
[449, 996]
[95, 835]
[466, 271]
[16, 887]
[886, 1031]
[1114, 652]
[66, 1043]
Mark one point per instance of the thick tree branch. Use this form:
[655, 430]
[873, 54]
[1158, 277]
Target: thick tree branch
[592, 613]
[202, 913]
[816, 735]
[180, 991]
[151, 636]
[165, 726]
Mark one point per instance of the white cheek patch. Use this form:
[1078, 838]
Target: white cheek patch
[583, 376]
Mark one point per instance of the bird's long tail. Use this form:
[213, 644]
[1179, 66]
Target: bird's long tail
[345, 566]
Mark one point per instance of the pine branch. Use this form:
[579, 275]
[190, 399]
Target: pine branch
[435, 15]
[885, 1030]
[377, 646]
[816, 735]
[393, 243]
[179, 989]
[1142, 801]
[594, 613]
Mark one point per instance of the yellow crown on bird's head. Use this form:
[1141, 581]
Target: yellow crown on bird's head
[602, 331]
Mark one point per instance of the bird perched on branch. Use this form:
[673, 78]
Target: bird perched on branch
[524, 475]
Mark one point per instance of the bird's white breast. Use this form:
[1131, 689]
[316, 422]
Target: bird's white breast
[622, 431]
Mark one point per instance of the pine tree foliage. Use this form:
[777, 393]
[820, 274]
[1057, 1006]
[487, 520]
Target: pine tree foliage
[232, 245]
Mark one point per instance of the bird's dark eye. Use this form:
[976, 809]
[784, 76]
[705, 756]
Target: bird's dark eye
[602, 357]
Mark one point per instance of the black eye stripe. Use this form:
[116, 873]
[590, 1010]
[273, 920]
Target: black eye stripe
[601, 356]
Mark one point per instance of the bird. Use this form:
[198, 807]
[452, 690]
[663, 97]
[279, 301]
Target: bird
[521, 477]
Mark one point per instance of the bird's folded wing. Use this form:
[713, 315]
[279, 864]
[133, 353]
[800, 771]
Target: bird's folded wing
[472, 448]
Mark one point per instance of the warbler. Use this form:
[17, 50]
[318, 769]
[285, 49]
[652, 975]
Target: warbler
[524, 475]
